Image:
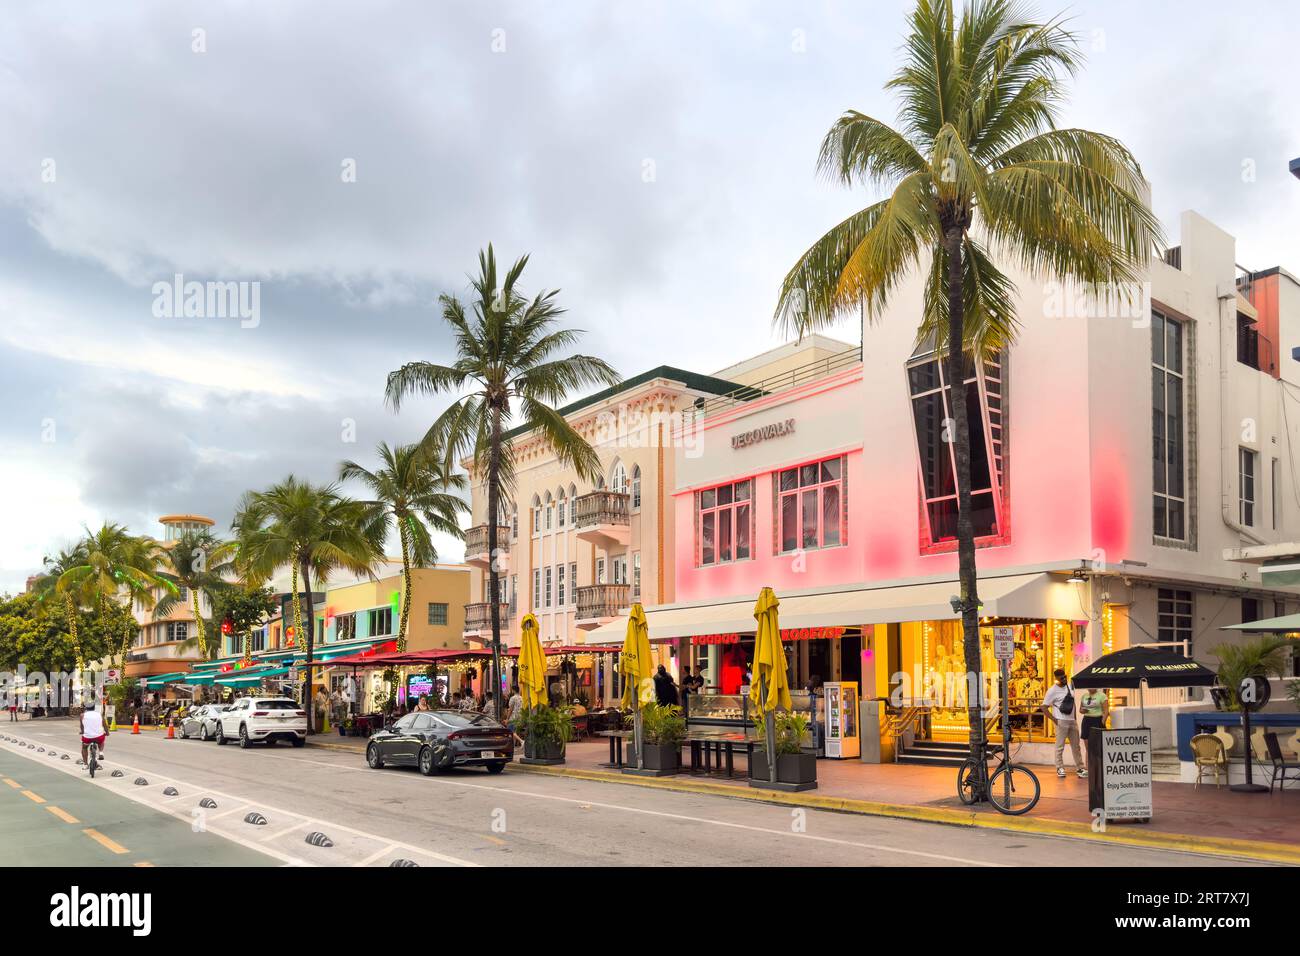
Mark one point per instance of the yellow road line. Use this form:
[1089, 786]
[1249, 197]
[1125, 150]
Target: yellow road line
[111, 845]
[491, 839]
[62, 814]
[13, 783]
[31, 796]
[142, 863]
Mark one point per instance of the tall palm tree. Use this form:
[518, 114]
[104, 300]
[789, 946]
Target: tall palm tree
[46, 587]
[314, 530]
[416, 492]
[977, 170]
[506, 365]
[197, 561]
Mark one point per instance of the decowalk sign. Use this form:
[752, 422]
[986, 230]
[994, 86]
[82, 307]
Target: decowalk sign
[756, 435]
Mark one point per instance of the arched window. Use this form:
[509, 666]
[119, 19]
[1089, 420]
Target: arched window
[573, 507]
[562, 509]
[537, 515]
[550, 512]
[636, 486]
[618, 479]
[514, 522]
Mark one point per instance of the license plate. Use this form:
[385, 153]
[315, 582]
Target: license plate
[486, 754]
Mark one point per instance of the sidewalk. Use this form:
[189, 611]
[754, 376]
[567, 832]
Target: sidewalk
[1209, 820]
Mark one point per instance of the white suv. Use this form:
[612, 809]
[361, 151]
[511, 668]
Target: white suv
[268, 719]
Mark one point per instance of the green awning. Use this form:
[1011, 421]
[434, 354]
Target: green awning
[197, 680]
[1278, 625]
[331, 651]
[157, 680]
[238, 679]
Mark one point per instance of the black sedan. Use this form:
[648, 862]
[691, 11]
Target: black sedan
[441, 739]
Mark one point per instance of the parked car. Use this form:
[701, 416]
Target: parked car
[442, 739]
[201, 721]
[266, 719]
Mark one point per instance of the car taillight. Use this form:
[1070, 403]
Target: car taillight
[260, 713]
[300, 713]
[456, 735]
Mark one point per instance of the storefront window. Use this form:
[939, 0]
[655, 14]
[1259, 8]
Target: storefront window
[812, 505]
[724, 523]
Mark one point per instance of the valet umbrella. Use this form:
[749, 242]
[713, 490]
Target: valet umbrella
[634, 664]
[532, 664]
[1144, 667]
[769, 688]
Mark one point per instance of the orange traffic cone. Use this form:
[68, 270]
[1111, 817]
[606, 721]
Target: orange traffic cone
[171, 728]
[135, 727]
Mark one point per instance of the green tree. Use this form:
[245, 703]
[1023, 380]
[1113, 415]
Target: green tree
[200, 563]
[976, 171]
[507, 364]
[313, 530]
[244, 607]
[46, 587]
[35, 634]
[415, 491]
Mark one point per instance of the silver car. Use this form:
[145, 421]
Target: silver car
[201, 722]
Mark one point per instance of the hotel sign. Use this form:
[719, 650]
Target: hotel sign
[787, 634]
[756, 435]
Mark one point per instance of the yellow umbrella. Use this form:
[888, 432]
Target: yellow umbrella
[532, 664]
[769, 674]
[635, 661]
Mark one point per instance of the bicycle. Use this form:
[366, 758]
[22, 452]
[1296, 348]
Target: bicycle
[92, 758]
[1012, 788]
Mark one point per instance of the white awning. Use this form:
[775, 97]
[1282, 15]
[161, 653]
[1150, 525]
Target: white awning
[1039, 595]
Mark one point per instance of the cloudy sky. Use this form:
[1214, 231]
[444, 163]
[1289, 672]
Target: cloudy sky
[656, 159]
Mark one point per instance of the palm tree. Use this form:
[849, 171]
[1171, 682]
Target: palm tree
[314, 530]
[46, 587]
[416, 492]
[197, 561]
[977, 170]
[506, 365]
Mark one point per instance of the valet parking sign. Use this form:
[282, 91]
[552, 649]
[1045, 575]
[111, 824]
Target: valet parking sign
[1126, 773]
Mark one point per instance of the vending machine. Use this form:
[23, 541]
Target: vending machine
[842, 738]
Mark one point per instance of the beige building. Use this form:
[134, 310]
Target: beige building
[161, 645]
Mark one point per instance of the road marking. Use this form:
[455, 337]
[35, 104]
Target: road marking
[491, 839]
[31, 796]
[13, 783]
[63, 815]
[111, 845]
[376, 855]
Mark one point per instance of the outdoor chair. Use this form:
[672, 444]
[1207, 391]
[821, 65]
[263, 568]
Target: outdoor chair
[1210, 757]
[1281, 766]
[579, 727]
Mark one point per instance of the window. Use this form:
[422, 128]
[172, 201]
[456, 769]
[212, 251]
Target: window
[559, 586]
[381, 621]
[560, 512]
[618, 479]
[178, 631]
[573, 505]
[1169, 512]
[620, 570]
[1247, 341]
[550, 516]
[986, 418]
[537, 588]
[1246, 487]
[182, 593]
[537, 518]
[514, 593]
[724, 526]
[636, 574]
[345, 627]
[259, 639]
[573, 582]
[811, 505]
[514, 524]
[1275, 512]
[636, 486]
[1173, 615]
[1250, 610]
[600, 570]
[437, 614]
[548, 588]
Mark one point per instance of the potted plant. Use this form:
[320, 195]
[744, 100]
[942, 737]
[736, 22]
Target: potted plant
[663, 728]
[546, 730]
[795, 768]
[1262, 658]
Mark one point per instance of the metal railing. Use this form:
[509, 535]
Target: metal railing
[602, 600]
[782, 382]
[602, 507]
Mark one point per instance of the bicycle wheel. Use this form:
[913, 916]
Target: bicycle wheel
[1013, 789]
[92, 762]
[967, 776]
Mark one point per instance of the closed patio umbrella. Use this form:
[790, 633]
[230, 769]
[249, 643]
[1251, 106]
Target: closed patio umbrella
[532, 664]
[634, 664]
[770, 687]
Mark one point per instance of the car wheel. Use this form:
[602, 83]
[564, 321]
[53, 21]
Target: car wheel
[221, 736]
[184, 735]
[243, 737]
[496, 767]
[203, 732]
[300, 741]
[426, 761]
[374, 758]
[270, 741]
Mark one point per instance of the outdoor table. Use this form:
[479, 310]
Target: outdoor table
[616, 738]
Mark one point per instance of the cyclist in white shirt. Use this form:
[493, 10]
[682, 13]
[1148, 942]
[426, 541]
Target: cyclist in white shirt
[92, 731]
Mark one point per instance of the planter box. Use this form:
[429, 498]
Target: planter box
[661, 760]
[794, 772]
[547, 754]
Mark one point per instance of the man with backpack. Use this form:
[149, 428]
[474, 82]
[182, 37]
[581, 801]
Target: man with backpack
[1059, 703]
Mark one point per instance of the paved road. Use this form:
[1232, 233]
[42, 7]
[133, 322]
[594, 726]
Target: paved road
[465, 818]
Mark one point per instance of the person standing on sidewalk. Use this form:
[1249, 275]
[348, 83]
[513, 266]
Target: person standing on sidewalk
[1060, 704]
[1094, 708]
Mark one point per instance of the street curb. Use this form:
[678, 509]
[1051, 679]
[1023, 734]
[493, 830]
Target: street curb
[1256, 851]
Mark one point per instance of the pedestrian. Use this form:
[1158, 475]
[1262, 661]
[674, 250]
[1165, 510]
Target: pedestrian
[423, 705]
[1060, 704]
[13, 709]
[514, 708]
[455, 701]
[1094, 708]
[665, 689]
[489, 708]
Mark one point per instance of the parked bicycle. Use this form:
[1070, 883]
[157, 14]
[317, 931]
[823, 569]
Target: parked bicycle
[1012, 788]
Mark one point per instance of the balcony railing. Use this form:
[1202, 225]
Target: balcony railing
[478, 617]
[596, 601]
[476, 539]
[598, 508]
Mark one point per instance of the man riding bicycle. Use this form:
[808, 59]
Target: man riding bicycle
[93, 731]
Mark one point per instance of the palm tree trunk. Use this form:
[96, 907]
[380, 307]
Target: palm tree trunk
[406, 585]
[494, 582]
[310, 628]
[72, 628]
[198, 623]
[965, 527]
[297, 612]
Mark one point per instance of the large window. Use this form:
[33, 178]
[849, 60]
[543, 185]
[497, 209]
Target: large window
[1173, 615]
[1246, 486]
[1169, 504]
[381, 621]
[547, 596]
[345, 627]
[559, 585]
[724, 519]
[935, 439]
[810, 505]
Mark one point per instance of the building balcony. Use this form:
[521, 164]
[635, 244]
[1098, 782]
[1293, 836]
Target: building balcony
[476, 548]
[478, 620]
[602, 518]
[600, 603]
